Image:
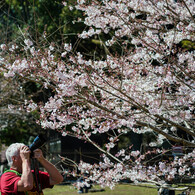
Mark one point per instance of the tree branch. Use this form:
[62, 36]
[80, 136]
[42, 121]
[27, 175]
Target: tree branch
[168, 136]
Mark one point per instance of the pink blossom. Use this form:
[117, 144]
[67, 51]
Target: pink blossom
[64, 3]
[3, 47]
[28, 43]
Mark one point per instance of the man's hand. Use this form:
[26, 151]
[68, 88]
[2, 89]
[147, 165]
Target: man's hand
[26, 181]
[54, 175]
[38, 154]
[25, 153]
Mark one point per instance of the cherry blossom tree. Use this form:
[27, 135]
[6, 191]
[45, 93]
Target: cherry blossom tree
[146, 86]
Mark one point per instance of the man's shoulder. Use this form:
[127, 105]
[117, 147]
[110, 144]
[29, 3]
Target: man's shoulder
[8, 182]
[8, 175]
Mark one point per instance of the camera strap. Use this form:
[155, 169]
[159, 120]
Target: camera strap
[36, 175]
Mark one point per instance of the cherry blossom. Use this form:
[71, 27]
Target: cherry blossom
[148, 87]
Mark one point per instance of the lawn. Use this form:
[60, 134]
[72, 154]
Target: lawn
[118, 190]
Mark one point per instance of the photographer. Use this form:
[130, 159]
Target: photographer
[20, 178]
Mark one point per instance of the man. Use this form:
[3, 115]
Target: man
[20, 178]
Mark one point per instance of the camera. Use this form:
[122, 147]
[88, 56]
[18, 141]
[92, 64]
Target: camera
[37, 143]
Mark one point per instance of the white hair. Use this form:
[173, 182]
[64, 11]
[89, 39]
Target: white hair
[12, 150]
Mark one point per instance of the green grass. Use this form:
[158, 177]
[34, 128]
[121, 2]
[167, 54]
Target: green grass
[118, 190]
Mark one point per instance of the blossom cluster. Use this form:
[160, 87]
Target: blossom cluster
[107, 173]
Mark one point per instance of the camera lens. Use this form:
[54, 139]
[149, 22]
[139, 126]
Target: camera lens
[37, 143]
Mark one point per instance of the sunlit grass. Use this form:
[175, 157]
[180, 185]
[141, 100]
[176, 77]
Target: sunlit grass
[122, 189]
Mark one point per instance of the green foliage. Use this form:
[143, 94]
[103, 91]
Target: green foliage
[18, 126]
[48, 18]
[187, 45]
[19, 130]
[51, 21]
[69, 20]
